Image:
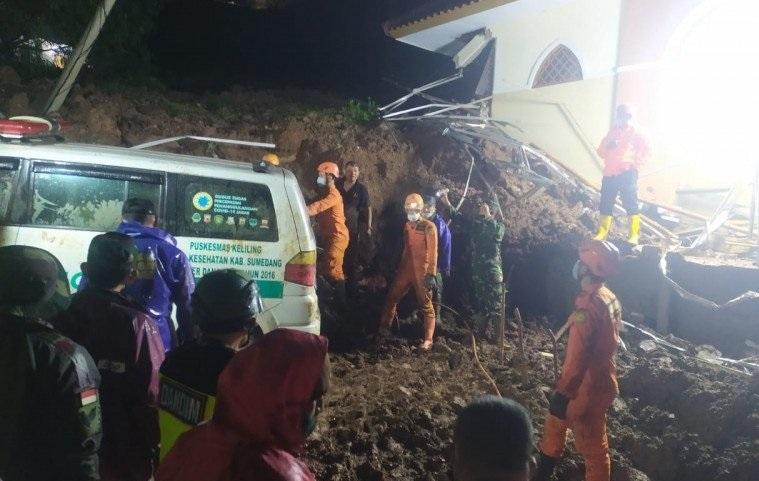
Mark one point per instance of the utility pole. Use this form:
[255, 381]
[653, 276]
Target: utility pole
[78, 57]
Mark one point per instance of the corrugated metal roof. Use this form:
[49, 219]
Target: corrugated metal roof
[444, 10]
[425, 10]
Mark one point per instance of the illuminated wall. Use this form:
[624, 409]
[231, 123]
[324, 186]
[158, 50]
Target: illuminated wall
[566, 120]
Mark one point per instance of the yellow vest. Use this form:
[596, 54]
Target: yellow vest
[181, 409]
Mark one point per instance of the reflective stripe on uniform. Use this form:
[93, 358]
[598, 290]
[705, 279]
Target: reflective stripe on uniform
[181, 409]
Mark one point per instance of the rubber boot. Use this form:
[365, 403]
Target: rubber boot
[546, 467]
[634, 236]
[604, 225]
[340, 297]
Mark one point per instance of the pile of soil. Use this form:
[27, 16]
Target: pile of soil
[310, 127]
[391, 412]
[392, 409]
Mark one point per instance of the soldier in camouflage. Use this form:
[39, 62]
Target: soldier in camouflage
[486, 283]
[50, 421]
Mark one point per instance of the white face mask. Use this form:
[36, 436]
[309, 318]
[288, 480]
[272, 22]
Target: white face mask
[321, 180]
[413, 216]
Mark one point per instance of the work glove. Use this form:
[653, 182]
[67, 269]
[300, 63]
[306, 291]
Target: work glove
[430, 281]
[558, 405]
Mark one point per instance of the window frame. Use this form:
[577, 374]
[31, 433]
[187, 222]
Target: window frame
[124, 174]
[184, 180]
[545, 63]
[12, 164]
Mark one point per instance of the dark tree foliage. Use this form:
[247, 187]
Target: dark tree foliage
[122, 48]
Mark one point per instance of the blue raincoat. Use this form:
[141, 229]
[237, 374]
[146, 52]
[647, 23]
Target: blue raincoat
[443, 245]
[164, 276]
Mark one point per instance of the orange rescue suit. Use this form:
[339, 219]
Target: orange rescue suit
[331, 218]
[418, 260]
[623, 149]
[589, 380]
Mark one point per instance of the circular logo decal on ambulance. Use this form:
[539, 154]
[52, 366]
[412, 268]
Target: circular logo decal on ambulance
[202, 201]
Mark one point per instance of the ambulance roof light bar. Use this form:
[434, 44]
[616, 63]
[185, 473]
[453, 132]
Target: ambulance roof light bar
[27, 128]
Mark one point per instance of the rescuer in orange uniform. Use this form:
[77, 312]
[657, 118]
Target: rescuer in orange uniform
[624, 150]
[588, 382]
[418, 269]
[334, 234]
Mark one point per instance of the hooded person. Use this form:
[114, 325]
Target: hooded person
[268, 399]
[330, 215]
[50, 419]
[163, 273]
[127, 348]
[417, 270]
[588, 383]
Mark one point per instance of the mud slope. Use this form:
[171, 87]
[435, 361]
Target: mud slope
[391, 413]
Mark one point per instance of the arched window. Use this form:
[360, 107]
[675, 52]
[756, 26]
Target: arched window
[561, 65]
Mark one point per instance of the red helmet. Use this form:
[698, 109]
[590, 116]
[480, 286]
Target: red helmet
[601, 257]
[329, 168]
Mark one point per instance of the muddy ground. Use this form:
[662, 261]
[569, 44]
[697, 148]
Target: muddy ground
[392, 410]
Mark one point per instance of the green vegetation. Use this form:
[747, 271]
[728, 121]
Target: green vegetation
[360, 112]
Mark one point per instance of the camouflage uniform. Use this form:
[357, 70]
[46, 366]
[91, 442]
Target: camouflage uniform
[486, 271]
[50, 420]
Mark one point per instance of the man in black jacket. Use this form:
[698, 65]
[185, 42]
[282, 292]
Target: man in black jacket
[50, 422]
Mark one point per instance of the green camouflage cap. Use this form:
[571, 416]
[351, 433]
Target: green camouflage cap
[33, 283]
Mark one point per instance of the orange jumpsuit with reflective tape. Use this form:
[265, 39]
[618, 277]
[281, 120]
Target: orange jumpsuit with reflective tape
[419, 259]
[331, 218]
[589, 380]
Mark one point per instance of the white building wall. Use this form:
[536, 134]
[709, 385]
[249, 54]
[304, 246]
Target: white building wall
[590, 28]
[566, 120]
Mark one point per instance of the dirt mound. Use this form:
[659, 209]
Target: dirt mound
[392, 410]
[308, 128]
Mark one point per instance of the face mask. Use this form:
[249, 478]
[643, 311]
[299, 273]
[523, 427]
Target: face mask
[413, 217]
[429, 214]
[321, 181]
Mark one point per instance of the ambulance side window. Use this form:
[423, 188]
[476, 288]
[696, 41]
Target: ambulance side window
[7, 174]
[86, 199]
[226, 209]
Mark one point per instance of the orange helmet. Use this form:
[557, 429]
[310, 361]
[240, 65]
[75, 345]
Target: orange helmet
[601, 257]
[273, 159]
[413, 201]
[329, 168]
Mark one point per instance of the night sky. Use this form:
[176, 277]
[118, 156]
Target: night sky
[335, 45]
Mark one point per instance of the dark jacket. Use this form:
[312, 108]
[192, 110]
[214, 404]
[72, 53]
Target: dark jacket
[257, 428]
[198, 364]
[165, 278]
[127, 348]
[50, 421]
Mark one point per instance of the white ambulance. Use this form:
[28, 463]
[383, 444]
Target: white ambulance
[224, 214]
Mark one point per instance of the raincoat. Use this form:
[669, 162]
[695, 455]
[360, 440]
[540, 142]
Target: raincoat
[127, 348]
[443, 245]
[165, 277]
[589, 380]
[258, 427]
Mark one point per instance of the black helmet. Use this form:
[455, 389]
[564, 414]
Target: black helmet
[33, 283]
[225, 301]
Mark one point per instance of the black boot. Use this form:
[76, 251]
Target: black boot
[340, 298]
[545, 469]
